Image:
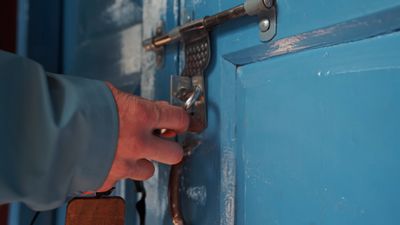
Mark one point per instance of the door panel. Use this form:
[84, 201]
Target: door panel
[319, 136]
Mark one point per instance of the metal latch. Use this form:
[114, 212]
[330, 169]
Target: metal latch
[264, 9]
[195, 38]
[188, 89]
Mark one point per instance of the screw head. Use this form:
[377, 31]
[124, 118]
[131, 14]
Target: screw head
[268, 3]
[264, 25]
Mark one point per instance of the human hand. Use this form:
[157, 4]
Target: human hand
[137, 144]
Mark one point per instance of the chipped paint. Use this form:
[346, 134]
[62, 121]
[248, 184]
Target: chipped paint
[335, 72]
[153, 12]
[362, 70]
[386, 21]
[197, 194]
[157, 197]
[122, 12]
[228, 184]
[131, 48]
[198, 2]
[176, 10]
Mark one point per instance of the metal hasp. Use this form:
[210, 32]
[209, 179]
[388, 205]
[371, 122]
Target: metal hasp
[191, 81]
[188, 90]
[195, 38]
[264, 9]
[266, 12]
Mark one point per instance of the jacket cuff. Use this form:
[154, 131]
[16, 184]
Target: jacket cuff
[95, 163]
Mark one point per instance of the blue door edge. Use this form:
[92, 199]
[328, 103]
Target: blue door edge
[229, 157]
[369, 26]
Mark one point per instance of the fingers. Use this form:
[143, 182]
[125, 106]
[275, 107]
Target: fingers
[141, 169]
[171, 117]
[159, 115]
[164, 133]
[168, 134]
[163, 151]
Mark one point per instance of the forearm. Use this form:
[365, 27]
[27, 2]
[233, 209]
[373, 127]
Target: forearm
[58, 134]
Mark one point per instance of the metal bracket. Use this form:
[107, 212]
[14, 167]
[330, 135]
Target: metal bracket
[194, 35]
[191, 82]
[267, 25]
[266, 12]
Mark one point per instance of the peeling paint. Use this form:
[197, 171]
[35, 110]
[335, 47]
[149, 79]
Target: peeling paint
[228, 184]
[355, 70]
[131, 50]
[361, 70]
[157, 197]
[153, 12]
[122, 12]
[176, 10]
[386, 21]
[197, 194]
[197, 2]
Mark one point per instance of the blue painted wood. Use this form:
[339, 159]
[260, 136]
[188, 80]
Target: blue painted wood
[368, 26]
[156, 188]
[319, 136]
[302, 151]
[268, 154]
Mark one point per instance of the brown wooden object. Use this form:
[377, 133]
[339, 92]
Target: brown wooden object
[96, 211]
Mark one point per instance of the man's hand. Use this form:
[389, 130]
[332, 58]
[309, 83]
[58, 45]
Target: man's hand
[137, 144]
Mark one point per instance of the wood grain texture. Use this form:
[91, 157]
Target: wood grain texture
[96, 211]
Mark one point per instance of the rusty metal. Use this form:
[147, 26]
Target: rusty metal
[219, 18]
[207, 23]
[189, 145]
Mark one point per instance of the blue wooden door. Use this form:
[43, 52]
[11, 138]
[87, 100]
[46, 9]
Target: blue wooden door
[304, 129]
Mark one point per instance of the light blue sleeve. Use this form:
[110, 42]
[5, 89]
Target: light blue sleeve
[58, 134]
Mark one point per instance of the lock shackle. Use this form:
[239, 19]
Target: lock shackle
[193, 98]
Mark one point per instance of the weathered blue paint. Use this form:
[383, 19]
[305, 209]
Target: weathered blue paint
[319, 136]
[305, 138]
[272, 148]
[156, 188]
[375, 24]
